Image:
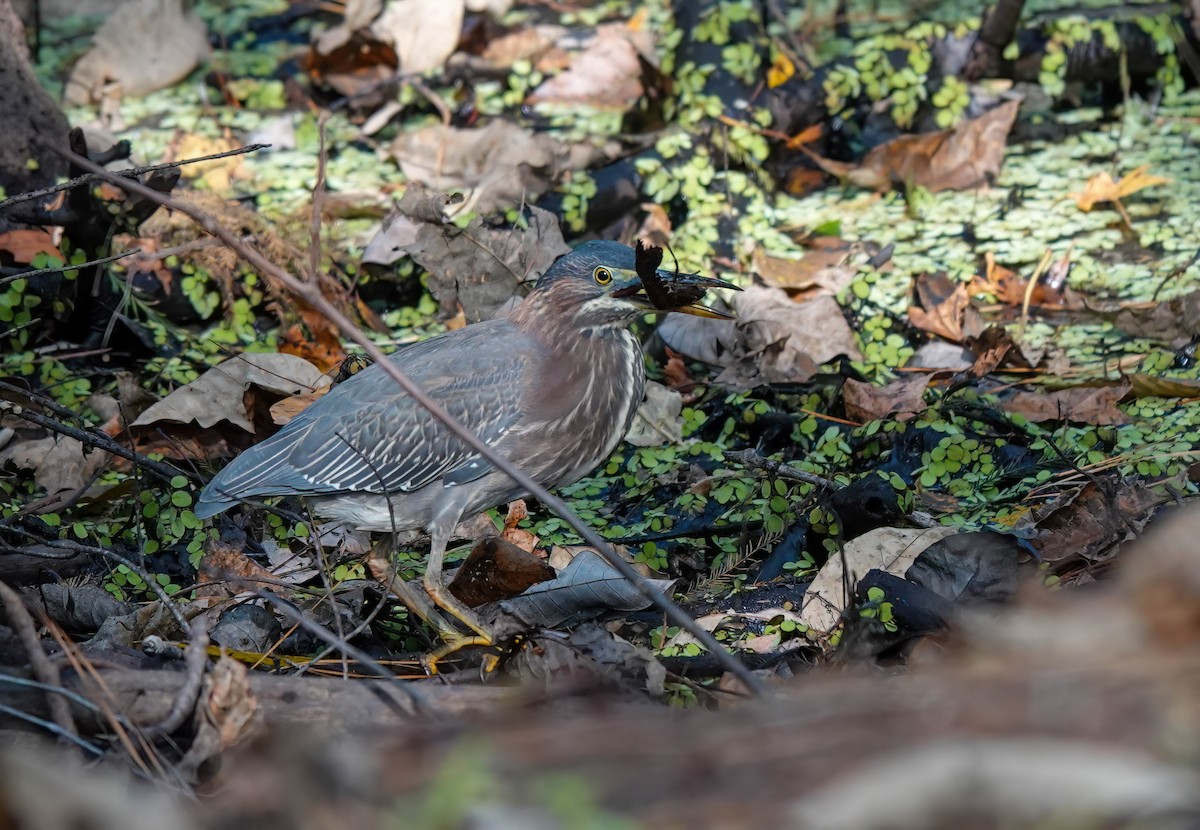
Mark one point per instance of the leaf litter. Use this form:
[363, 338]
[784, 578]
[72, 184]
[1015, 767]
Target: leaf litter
[1059, 419]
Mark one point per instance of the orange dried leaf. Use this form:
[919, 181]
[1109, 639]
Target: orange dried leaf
[943, 307]
[781, 70]
[1101, 187]
[26, 243]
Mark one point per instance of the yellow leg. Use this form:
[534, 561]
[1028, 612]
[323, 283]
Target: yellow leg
[441, 596]
[416, 602]
[421, 605]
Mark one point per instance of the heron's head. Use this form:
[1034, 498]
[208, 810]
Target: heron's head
[597, 286]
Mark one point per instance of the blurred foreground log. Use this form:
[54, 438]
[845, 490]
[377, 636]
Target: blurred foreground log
[1080, 705]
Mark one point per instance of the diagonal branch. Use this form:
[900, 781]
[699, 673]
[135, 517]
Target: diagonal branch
[311, 293]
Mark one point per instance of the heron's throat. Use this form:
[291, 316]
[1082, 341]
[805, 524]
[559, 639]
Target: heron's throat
[562, 311]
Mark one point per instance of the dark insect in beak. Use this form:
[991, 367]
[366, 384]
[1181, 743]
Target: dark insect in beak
[667, 291]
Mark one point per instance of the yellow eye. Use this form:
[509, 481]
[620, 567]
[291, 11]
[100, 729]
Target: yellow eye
[603, 275]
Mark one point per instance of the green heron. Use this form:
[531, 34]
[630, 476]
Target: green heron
[554, 387]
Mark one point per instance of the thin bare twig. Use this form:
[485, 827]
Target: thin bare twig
[151, 582]
[318, 203]
[136, 171]
[294, 615]
[97, 440]
[43, 667]
[53, 728]
[74, 697]
[61, 268]
[189, 692]
[311, 294]
[750, 458]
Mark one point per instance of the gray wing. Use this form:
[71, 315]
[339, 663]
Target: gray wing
[368, 435]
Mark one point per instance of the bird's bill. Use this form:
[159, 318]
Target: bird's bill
[674, 292]
[697, 310]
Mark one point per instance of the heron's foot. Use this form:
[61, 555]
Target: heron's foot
[453, 606]
[457, 643]
[449, 603]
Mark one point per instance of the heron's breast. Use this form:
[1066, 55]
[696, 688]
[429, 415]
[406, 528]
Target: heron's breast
[582, 404]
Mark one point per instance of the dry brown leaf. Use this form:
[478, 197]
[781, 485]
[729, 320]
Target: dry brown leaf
[230, 704]
[26, 243]
[1101, 187]
[943, 306]
[1006, 286]
[1175, 321]
[499, 165]
[1085, 404]
[891, 549]
[218, 394]
[477, 269]
[323, 349]
[965, 156]
[995, 347]
[1086, 525]
[605, 75]
[821, 270]
[865, 402]
[658, 420]
[497, 569]
[424, 32]
[220, 412]
[676, 375]
[355, 67]
[655, 229]
[144, 45]
[222, 570]
[773, 339]
[58, 463]
[529, 44]
[288, 408]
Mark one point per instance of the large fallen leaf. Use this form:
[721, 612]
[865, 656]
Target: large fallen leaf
[822, 270]
[420, 33]
[423, 32]
[962, 157]
[473, 270]
[586, 587]
[1083, 405]
[225, 409]
[773, 339]
[866, 402]
[496, 570]
[592, 656]
[1175, 321]
[529, 43]
[890, 549]
[217, 395]
[58, 463]
[969, 568]
[605, 75]
[144, 45]
[500, 164]
[1085, 526]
